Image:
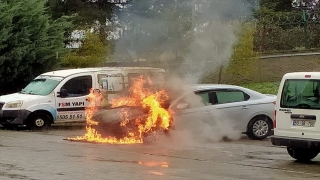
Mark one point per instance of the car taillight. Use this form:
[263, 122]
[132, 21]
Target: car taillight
[275, 119]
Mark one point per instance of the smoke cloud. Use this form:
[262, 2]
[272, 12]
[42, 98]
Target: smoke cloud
[196, 34]
[189, 38]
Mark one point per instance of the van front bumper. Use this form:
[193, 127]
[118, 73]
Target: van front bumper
[13, 116]
[295, 142]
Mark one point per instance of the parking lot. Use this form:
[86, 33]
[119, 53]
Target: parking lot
[46, 155]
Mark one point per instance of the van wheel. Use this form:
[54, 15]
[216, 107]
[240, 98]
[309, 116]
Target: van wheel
[38, 121]
[302, 154]
[259, 128]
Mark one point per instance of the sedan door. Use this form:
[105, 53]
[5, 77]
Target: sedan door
[233, 107]
[192, 108]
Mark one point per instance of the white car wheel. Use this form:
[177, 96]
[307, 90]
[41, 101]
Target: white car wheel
[259, 128]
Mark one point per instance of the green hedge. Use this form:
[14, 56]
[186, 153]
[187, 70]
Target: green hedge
[265, 88]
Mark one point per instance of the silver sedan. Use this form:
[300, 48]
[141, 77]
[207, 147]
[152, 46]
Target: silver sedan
[244, 110]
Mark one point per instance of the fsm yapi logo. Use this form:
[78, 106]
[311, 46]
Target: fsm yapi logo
[64, 104]
[77, 103]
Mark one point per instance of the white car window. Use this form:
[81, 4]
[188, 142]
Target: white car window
[301, 94]
[197, 99]
[230, 96]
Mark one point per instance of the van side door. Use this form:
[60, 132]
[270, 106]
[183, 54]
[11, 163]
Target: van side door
[71, 98]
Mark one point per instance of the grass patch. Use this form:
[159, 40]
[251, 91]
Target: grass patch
[264, 88]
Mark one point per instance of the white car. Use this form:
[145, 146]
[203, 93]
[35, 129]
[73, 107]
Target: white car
[297, 125]
[246, 110]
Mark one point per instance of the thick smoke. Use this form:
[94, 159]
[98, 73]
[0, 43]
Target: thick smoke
[215, 33]
[196, 34]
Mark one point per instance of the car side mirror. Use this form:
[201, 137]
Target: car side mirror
[63, 93]
[182, 106]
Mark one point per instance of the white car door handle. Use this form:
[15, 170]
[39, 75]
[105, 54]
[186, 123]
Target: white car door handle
[245, 107]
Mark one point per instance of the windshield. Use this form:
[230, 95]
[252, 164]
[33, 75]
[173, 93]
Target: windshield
[42, 85]
[301, 94]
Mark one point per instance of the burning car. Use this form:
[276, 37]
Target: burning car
[123, 121]
[130, 118]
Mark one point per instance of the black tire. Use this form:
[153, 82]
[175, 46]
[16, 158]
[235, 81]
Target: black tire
[302, 154]
[259, 128]
[38, 121]
[155, 136]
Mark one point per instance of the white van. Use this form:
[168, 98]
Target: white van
[297, 115]
[61, 96]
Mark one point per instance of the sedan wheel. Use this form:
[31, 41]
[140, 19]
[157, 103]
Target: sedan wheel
[259, 128]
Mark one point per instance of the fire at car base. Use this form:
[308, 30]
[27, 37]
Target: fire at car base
[158, 118]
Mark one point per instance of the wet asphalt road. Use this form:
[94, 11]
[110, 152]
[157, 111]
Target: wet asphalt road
[46, 156]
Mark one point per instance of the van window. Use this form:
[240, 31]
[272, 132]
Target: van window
[300, 94]
[111, 82]
[78, 86]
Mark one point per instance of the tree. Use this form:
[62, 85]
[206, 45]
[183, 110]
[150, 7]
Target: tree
[273, 8]
[275, 19]
[92, 52]
[277, 5]
[87, 15]
[243, 59]
[86, 11]
[31, 42]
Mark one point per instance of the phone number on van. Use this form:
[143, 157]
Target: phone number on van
[71, 116]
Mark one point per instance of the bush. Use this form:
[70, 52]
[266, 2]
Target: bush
[264, 88]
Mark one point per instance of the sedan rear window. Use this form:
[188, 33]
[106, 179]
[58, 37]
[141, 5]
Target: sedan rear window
[300, 94]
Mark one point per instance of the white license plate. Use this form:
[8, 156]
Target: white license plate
[305, 123]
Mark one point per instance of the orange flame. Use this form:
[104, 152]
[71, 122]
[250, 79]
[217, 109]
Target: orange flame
[140, 96]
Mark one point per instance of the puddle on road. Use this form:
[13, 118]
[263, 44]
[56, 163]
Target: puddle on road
[153, 164]
[144, 163]
[156, 173]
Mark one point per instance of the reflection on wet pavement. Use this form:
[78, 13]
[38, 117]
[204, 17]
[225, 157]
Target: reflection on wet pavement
[151, 164]
[156, 173]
